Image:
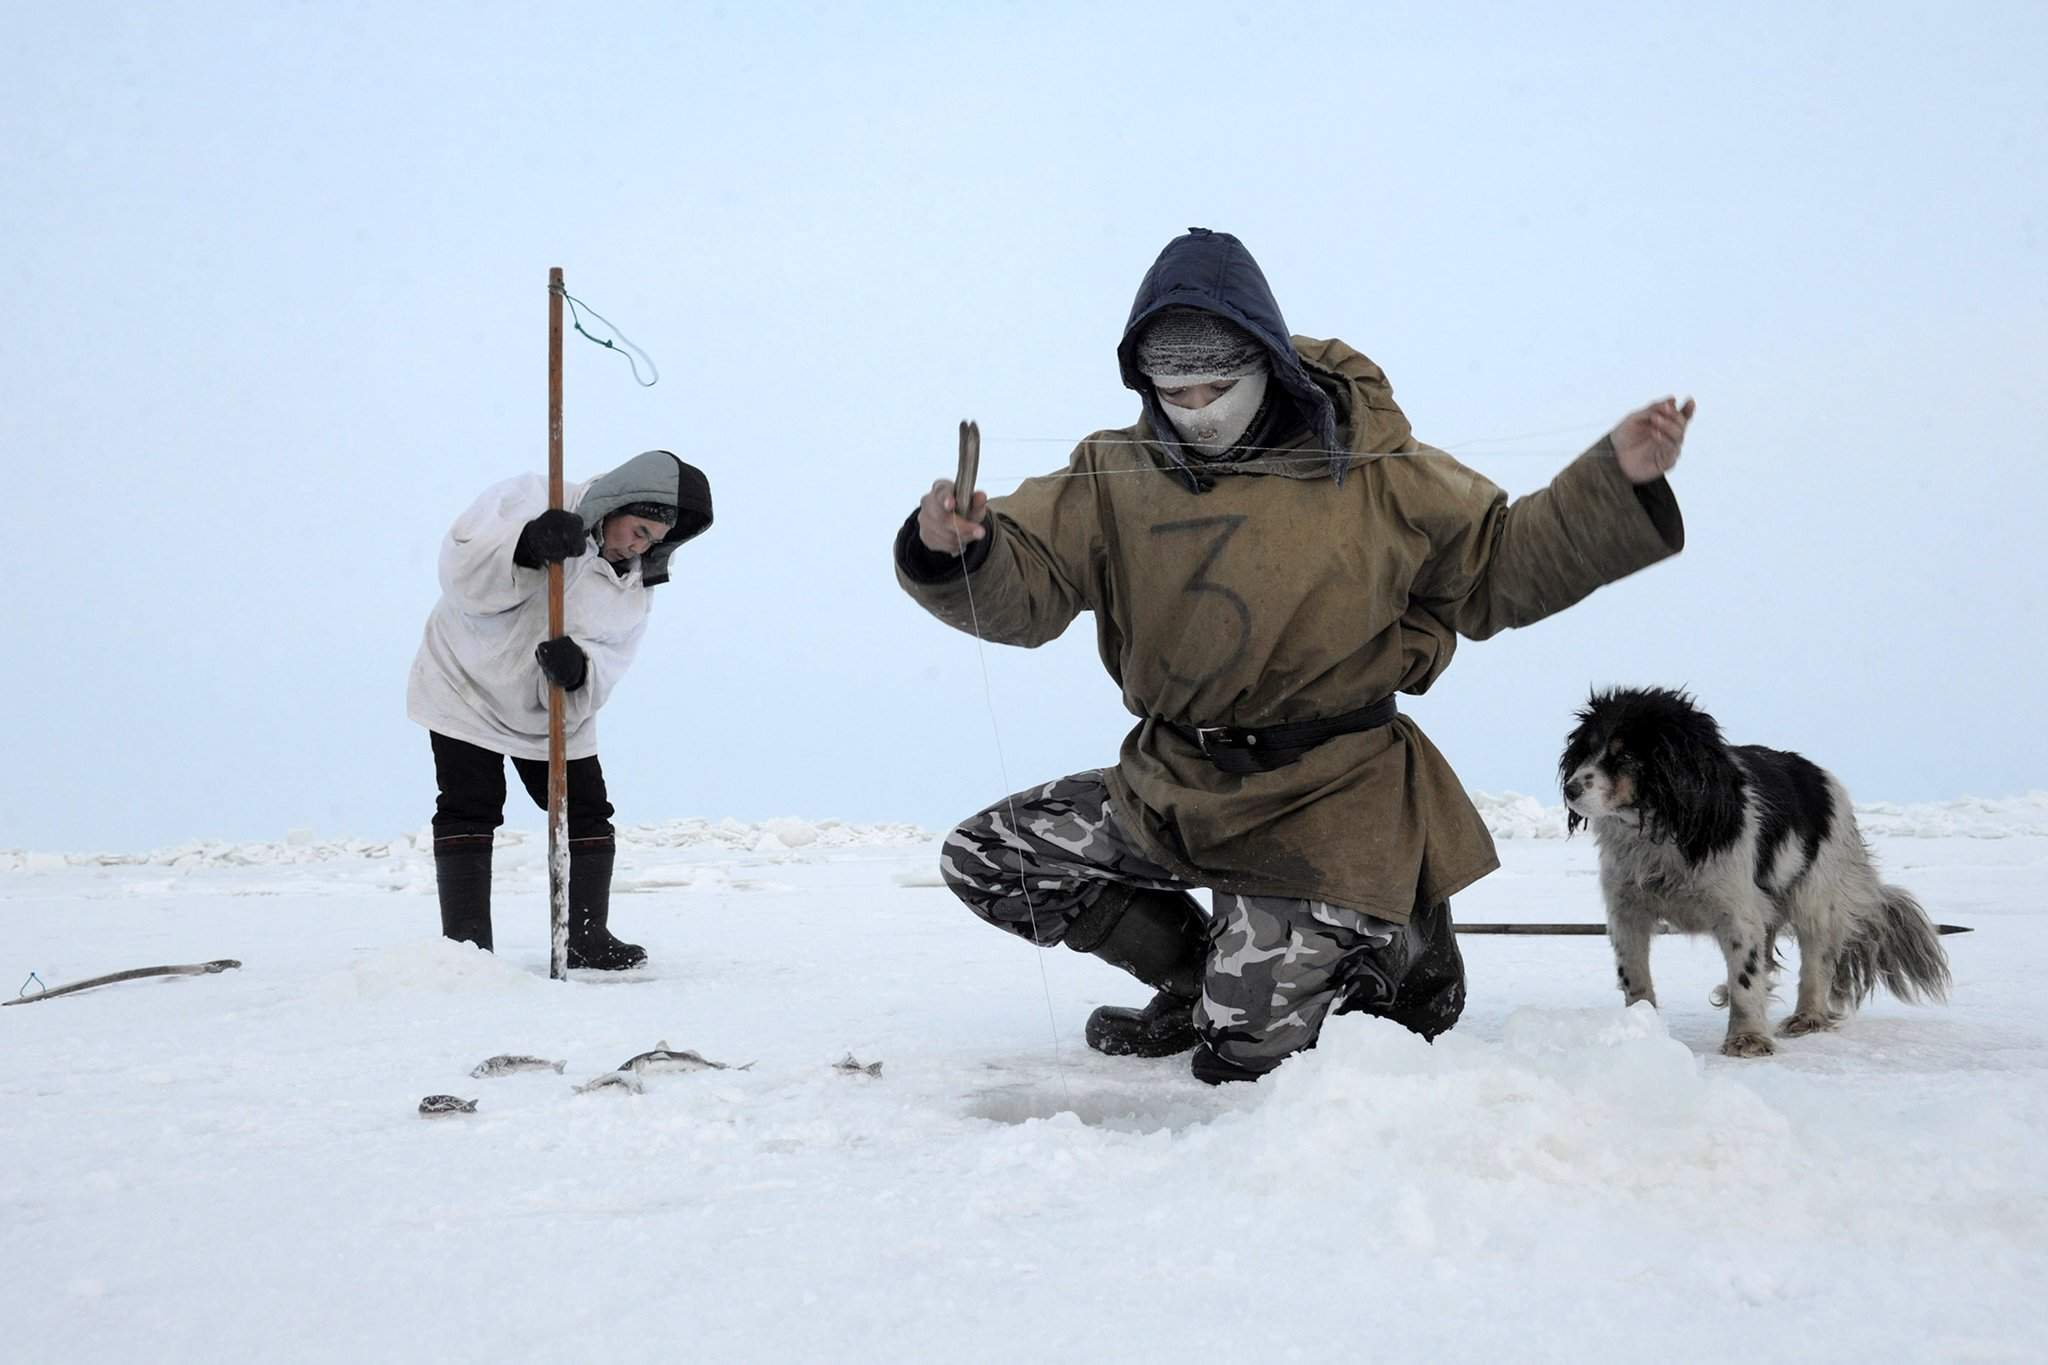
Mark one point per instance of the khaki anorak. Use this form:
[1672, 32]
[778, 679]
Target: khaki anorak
[1280, 593]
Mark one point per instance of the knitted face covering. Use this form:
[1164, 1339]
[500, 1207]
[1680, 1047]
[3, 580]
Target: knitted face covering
[649, 511]
[1192, 344]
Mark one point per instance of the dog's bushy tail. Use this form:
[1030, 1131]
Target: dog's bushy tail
[1900, 947]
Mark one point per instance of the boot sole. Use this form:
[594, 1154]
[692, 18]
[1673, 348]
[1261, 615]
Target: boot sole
[584, 965]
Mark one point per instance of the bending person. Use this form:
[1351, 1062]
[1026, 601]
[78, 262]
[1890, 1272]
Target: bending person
[480, 681]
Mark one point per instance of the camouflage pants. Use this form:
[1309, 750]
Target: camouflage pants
[1277, 965]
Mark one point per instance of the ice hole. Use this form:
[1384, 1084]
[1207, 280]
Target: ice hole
[1121, 1111]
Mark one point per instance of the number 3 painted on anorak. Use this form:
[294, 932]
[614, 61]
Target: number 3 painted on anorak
[1198, 583]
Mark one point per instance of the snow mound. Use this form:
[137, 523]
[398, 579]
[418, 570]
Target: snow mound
[1509, 816]
[1598, 1099]
[427, 966]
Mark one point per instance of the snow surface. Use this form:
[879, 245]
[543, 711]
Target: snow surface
[232, 1167]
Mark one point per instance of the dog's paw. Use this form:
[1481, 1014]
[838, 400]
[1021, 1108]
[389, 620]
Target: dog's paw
[1796, 1024]
[1747, 1045]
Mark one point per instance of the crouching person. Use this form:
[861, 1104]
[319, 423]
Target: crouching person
[1270, 557]
[1245, 988]
[480, 681]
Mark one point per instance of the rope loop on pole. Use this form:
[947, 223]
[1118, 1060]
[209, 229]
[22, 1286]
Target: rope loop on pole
[633, 353]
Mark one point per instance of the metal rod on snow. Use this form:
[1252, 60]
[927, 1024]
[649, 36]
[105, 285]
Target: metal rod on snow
[132, 974]
[558, 763]
[1591, 929]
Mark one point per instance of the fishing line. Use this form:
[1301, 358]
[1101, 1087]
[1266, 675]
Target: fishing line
[1519, 436]
[1023, 880]
[1272, 457]
[1318, 459]
[1299, 451]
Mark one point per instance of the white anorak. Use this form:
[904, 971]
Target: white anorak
[475, 677]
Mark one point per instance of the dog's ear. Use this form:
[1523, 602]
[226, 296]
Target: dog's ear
[1579, 743]
[1690, 790]
[1578, 750]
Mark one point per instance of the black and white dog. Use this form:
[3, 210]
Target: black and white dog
[1737, 841]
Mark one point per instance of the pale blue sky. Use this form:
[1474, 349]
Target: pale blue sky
[278, 312]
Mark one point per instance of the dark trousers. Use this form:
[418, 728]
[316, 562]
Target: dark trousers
[471, 805]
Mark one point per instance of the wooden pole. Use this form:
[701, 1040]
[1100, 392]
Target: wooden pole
[558, 762]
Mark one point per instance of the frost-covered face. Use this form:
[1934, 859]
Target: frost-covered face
[1211, 412]
[1195, 395]
[626, 537]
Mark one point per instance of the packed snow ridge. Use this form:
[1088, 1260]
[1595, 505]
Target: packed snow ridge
[1507, 816]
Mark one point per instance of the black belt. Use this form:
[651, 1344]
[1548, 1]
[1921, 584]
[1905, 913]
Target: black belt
[1263, 748]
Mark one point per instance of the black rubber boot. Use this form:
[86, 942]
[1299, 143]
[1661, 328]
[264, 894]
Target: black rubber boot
[591, 945]
[462, 876]
[1432, 995]
[1418, 981]
[1210, 1069]
[1160, 937]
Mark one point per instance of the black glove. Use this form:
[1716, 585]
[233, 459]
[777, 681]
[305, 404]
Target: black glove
[564, 661]
[554, 534]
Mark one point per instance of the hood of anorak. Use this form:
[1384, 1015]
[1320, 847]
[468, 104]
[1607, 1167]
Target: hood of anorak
[652, 476]
[1212, 271]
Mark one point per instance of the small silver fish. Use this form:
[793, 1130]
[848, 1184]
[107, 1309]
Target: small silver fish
[851, 1066]
[504, 1064]
[434, 1105]
[612, 1080]
[663, 1058]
